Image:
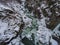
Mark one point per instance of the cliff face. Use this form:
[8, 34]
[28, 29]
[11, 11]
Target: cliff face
[32, 21]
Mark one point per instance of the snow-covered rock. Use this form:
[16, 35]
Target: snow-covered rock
[13, 14]
[10, 21]
[43, 33]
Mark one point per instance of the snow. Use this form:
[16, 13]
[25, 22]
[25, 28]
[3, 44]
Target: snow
[44, 34]
[17, 28]
[15, 41]
[27, 20]
[56, 31]
[53, 42]
[9, 26]
[49, 12]
[44, 5]
[2, 6]
[3, 26]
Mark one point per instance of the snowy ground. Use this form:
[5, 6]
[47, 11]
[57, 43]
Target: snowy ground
[12, 17]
